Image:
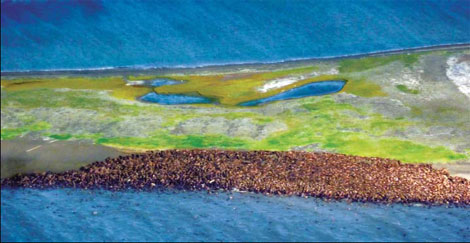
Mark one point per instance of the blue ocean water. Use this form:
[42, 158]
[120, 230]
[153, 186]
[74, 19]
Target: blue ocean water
[311, 89]
[76, 215]
[174, 99]
[39, 35]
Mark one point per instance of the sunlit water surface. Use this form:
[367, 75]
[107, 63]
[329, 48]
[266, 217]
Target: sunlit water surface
[77, 215]
[75, 34]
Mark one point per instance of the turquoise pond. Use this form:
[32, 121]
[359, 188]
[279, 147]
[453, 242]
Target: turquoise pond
[154, 82]
[78, 215]
[174, 99]
[163, 81]
[311, 89]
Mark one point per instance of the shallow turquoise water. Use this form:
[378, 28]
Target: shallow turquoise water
[311, 89]
[77, 215]
[162, 82]
[174, 99]
[38, 35]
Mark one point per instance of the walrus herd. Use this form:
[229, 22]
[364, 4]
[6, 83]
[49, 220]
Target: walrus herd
[324, 175]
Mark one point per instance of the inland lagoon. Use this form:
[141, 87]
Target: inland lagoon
[154, 82]
[312, 89]
[174, 99]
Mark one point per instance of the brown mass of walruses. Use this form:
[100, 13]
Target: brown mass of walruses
[324, 175]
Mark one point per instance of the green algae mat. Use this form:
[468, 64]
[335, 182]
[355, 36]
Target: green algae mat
[410, 106]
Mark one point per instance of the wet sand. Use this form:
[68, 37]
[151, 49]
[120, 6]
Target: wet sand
[461, 169]
[323, 175]
[23, 155]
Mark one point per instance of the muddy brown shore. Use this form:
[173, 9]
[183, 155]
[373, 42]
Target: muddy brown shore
[324, 175]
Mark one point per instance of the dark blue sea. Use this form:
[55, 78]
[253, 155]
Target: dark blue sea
[39, 35]
[78, 215]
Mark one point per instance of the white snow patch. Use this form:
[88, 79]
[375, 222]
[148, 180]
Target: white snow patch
[407, 78]
[332, 71]
[278, 83]
[135, 82]
[459, 73]
[410, 80]
[282, 82]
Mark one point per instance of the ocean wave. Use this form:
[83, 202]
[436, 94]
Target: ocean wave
[246, 63]
[147, 35]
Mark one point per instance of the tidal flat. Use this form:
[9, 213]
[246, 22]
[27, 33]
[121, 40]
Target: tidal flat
[406, 106]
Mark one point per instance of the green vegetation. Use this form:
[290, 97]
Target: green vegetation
[61, 136]
[324, 124]
[366, 63]
[363, 88]
[312, 122]
[237, 91]
[232, 90]
[166, 141]
[405, 89]
[10, 133]
[229, 89]
[116, 85]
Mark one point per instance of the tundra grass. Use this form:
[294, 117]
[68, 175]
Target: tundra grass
[312, 121]
[405, 89]
[364, 88]
[322, 121]
[235, 90]
[10, 133]
[226, 91]
[366, 63]
[166, 141]
[116, 85]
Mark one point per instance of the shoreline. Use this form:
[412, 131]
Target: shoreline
[305, 174]
[460, 169]
[227, 67]
[25, 155]
[22, 149]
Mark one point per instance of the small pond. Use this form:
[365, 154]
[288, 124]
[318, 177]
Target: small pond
[311, 89]
[155, 82]
[163, 81]
[174, 99]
